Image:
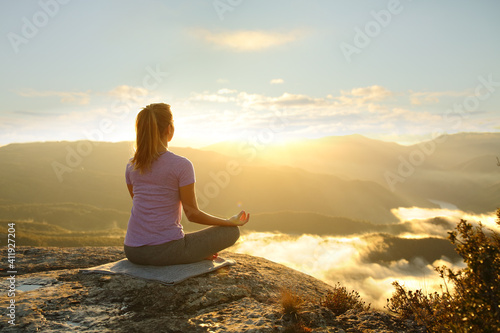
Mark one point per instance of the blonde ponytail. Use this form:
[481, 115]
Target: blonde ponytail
[150, 124]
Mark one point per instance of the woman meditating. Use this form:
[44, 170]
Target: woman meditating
[161, 183]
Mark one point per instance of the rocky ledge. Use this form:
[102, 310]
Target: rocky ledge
[245, 297]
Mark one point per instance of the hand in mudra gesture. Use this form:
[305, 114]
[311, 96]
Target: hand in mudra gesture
[240, 219]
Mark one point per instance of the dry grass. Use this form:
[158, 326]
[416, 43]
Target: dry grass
[290, 302]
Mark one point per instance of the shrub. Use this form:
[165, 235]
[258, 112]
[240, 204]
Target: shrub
[340, 300]
[290, 302]
[473, 302]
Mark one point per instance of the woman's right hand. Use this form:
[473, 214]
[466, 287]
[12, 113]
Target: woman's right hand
[240, 219]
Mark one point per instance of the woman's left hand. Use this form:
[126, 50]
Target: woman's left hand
[240, 219]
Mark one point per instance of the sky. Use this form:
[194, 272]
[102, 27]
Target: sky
[394, 70]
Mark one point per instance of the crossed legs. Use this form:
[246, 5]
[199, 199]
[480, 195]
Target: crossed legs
[195, 246]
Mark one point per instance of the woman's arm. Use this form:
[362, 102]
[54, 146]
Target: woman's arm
[194, 214]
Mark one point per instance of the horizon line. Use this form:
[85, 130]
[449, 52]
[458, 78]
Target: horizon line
[401, 143]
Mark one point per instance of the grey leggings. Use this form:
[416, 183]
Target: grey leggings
[195, 246]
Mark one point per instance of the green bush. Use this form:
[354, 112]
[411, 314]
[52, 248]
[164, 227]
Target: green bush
[472, 303]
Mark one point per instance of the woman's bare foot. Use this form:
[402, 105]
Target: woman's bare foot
[212, 257]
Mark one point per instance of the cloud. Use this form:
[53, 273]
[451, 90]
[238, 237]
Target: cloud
[276, 81]
[356, 101]
[285, 100]
[422, 216]
[219, 97]
[248, 40]
[364, 96]
[259, 101]
[225, 91]
[375, 111]
[122, 92]
[356, 97]
[87, 114]
[80, 98]
[374, 92]
[355, 261]
[336, 259]
[419, 98]
[125, 92]
[79, 118]
[412, 116]
[35, 113]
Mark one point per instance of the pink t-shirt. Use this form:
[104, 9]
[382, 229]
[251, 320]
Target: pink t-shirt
[156, 207]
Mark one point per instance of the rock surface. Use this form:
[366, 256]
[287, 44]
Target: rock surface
[240, 298]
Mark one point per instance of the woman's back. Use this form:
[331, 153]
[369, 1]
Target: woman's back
[156, 211]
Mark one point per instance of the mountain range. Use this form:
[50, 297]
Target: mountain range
[81, 186]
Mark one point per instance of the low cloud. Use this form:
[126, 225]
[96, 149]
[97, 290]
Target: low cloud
[409, 115]
[363, 96]
[423, 216]
[212, 98]
[359, 110]
[432, 97]
[360, 98]
[285, 100]
[122, 92]
[374, 92]
[276, 81]
[128, 93]
[225, 91]
[356, 262]
[375, 111]
[335, 259]
[35, 113]
[66, 97]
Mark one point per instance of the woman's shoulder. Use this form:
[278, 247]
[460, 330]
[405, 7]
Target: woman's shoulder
[130, 164]
[171, 157]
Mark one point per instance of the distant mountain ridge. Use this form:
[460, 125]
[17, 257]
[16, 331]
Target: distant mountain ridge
[457, 168]
[341, 177]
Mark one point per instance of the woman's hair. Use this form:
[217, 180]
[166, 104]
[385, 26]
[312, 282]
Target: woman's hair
[150, 124]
